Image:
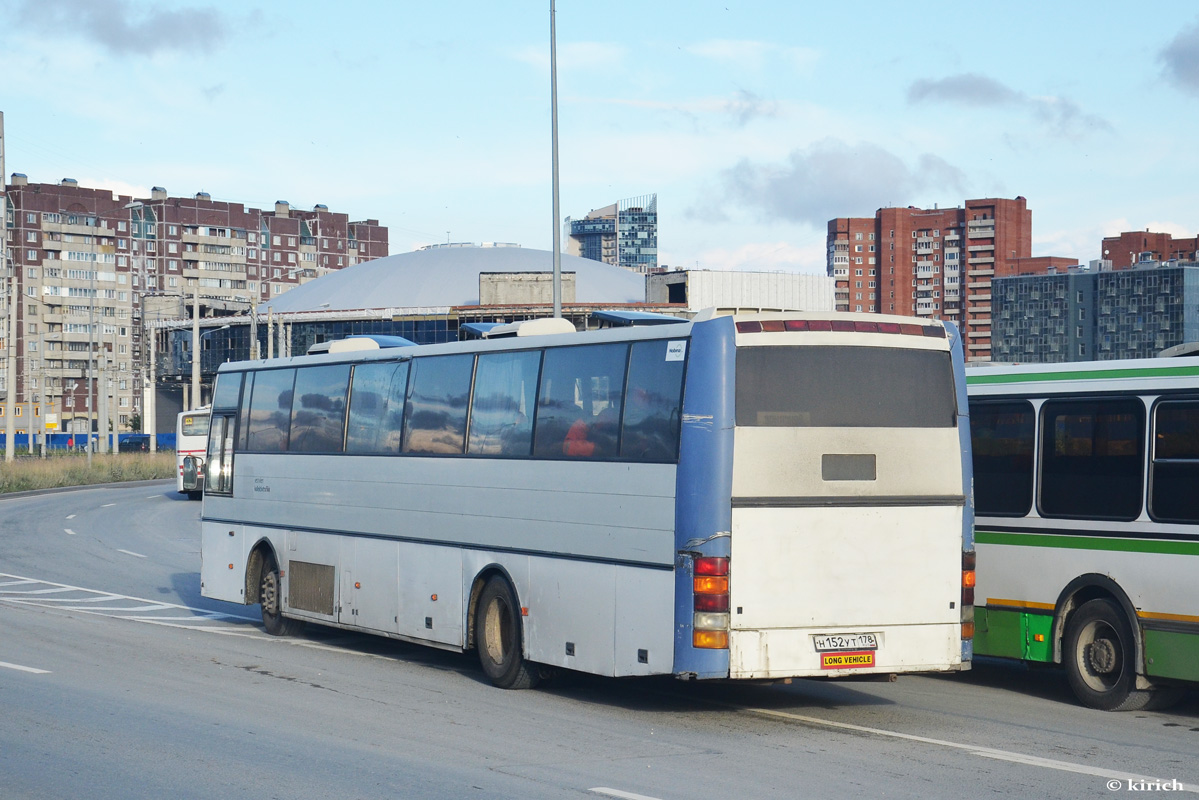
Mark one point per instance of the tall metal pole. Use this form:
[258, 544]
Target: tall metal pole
[554, 147]
[195, 398]
[150, 400]
[91, 360]
[10, 350]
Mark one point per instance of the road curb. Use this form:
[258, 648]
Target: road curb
[58, 489]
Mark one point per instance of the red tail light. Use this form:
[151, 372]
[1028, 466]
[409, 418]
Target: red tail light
[934, 331]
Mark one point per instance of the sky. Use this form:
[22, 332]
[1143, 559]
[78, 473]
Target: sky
[754, 122]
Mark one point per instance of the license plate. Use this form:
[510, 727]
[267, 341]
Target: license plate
[846, 641]
[847, 660]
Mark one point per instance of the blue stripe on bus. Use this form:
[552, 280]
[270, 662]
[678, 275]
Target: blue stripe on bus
[704, 482]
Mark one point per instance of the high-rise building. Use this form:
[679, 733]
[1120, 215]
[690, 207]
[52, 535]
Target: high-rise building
[932, 262]
[624, 234]
[85, 261]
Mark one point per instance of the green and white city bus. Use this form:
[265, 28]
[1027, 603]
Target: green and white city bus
[1087, 523]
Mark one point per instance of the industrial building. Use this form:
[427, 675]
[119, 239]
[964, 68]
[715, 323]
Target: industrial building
[732, 292]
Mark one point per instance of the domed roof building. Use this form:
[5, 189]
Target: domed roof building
[449, 276]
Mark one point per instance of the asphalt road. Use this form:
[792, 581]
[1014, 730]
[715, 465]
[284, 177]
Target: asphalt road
[117, 680]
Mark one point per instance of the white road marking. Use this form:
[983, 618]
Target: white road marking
[19, 668]
[986, 752]
[70, 516]
[90, 601]
[108, 505]
[69, 531]
[619, 793]
[131, 553]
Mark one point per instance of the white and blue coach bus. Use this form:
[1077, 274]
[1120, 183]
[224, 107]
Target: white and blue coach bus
[753, 497]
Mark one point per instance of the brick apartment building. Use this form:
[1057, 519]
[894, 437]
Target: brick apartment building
[935, 263]
[1138, 247]
[76, 252]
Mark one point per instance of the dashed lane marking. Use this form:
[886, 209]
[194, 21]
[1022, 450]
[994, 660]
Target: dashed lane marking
[20, 668]
[130, 553]
[18, 590]
[69, 532]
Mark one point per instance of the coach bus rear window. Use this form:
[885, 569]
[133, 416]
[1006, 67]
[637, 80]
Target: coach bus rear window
[844, 387]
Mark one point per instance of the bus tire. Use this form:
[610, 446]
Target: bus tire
[270, 595]
[1099, 654]
[498, 633]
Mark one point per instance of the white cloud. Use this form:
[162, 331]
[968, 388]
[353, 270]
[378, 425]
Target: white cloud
[753, 56]
[574, 56]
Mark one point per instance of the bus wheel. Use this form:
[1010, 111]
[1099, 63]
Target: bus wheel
[269, 594]
[1100, 658]
[498, 634]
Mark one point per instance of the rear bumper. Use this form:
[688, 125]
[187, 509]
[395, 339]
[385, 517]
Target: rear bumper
[791, 652]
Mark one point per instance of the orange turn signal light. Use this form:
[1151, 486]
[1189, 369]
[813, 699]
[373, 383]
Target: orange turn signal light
[711, 584]
[967, 630]
[710, 640]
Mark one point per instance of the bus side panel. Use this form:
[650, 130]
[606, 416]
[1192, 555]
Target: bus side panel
[222, 561]
[703, 510]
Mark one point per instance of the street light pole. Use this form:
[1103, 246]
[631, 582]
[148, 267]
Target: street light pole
[195, 398]
[554, 148]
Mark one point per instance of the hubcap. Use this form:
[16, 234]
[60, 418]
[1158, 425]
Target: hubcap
[1100, 656]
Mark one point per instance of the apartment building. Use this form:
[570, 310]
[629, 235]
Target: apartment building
[1078, 314]
[1131, 248]
[84, 262]
[935, 263]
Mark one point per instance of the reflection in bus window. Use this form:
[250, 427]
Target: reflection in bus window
[652, 401]
[501, 417]
[1175, 471]
[1002, 442]
[578, 411]
[377, 408]
[435, 419]
[318, 414]
[1091, 459]
[270, 410]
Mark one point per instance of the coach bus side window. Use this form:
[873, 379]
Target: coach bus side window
[1175, 475]
[579, 405]
[1092, 456]
[270, 410]
[435, 418]
[501, 416]
[243, 413]
[318, 412]
[377, 407]
[1002, 440]
[653, 399]
[228, 387]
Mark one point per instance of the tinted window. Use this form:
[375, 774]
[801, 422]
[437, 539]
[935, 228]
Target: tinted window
[1175, 476]
[194, 425]
[851, 387]
[377, 408]
[318, 412]
[501, 417]
[1092, 459]
[578, 409]
[435, 419]
[243, 412]
[228, 387]
[270, 410]
[652, 401]
[1002, 440]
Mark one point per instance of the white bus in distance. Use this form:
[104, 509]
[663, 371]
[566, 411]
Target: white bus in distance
[191, 438]
[754, 497]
